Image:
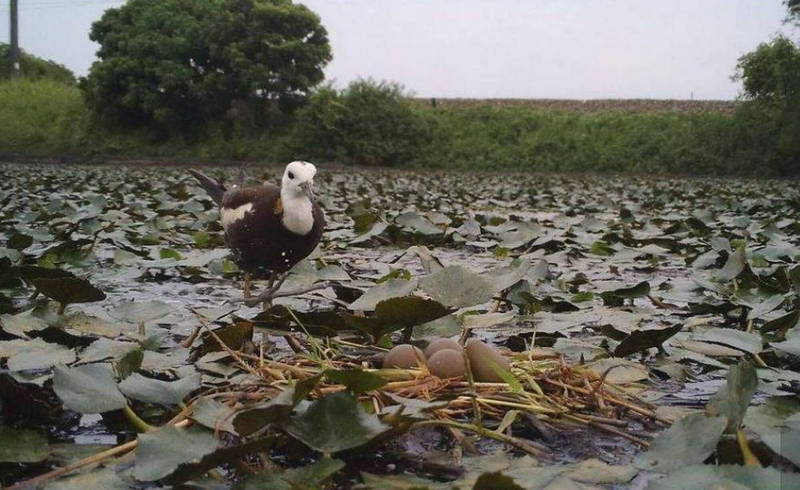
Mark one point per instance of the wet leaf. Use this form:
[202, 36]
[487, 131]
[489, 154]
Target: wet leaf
[68, 290]
[417, 224]
[734, 266]
[88, 389]
[495, 481]
[395, 314]
[20, 324]
[255, 417]
[733, 399]
[690, 440]
[152, 390]
[638, 291]
[34, 354]
[738, 339]
[19, 241]
[457, 286]
[389, 289]
[789, 346]
[233, 336]
[334, 423]
[141, 312]
[641, 340]
[726, 476]
[161, 452]
[22, 446]
[210, 413]
[356, 380]
[311, 476]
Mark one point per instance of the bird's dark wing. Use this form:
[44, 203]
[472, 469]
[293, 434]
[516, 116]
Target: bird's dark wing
[265, 196]
[215, 189]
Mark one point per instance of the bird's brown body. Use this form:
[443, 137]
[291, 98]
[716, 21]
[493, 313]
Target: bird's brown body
[258, 240]
[254, 227]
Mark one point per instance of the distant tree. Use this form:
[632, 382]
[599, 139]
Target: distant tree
[172, 62]
[35, 68]
[770, 76]
[771, 73]
[794, 11]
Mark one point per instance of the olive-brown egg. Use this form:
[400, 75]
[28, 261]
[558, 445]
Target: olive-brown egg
[439, 344]
[447, 363]
[403, 356]
[482, 359]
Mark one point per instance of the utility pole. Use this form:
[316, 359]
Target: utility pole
[13, 54]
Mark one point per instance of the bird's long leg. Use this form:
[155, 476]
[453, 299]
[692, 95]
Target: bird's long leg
[275, 282]
[267, 296]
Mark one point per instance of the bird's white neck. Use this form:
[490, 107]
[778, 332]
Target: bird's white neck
[298, 212]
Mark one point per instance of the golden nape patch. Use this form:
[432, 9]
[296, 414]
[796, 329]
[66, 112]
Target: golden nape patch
[278, 209]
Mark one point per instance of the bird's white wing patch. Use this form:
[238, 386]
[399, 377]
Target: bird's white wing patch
[229, 216]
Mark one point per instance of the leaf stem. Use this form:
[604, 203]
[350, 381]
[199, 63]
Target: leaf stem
[137, 421]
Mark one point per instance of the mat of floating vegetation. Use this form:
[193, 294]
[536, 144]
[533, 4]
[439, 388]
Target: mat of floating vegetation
[330, 401]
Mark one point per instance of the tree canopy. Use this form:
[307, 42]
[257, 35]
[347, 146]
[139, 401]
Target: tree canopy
[771, 73]
[177, 62]
[770, 77]
[35, 68]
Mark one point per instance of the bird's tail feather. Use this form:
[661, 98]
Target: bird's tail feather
[213, 187]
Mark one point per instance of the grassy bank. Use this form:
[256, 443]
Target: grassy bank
[41, 118]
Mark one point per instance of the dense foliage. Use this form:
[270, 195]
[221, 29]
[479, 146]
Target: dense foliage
[34, 68]
[55, 121]
[181, 62]
[771, 79]
[368, 123]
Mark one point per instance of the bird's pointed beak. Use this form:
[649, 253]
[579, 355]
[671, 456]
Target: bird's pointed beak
[308, 188]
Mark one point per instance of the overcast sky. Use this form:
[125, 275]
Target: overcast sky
[577, 49]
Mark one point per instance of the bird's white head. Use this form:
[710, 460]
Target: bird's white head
[298, 179]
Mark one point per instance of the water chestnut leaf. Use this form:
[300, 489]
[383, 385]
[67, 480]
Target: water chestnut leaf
[335, 423]
[90, 388]
[690, 440]
[163, 451]
[69, 290]
[157, 391]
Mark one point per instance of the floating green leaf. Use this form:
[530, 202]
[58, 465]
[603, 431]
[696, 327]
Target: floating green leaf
[88, 389]
[334, 423]
[152, 390]
[689, 441]
[161, 452]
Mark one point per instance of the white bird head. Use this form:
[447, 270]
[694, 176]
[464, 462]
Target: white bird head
[298, 178]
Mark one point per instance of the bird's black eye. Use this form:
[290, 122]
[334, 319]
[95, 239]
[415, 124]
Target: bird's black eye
[291, 175]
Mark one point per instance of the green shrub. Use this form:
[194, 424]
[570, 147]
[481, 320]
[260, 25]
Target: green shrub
[368, 123]
[34, 68]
